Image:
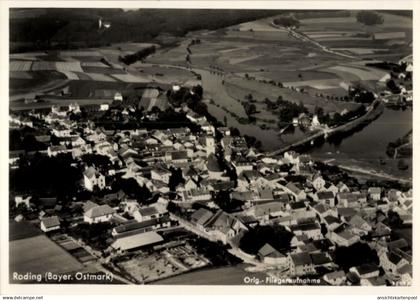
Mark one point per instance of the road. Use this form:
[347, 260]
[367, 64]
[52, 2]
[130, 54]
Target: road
[305, 38]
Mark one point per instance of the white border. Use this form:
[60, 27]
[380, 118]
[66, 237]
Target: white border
[6, 288]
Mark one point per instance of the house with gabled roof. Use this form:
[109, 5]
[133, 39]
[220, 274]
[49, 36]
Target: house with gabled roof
[365, 271]
[318, 182]
[146, 213]
[300, 264]
[342, 187]
[326, 197]
[359, 225]
[98, 214]
[268, 255]
[311, 229]
[297, 192]
[335, 278]
[50, 224]
[93, 178]
[332, 222]
[375, 193]
[342, 236]
[160, 173]
[224, 226]
[391, 262]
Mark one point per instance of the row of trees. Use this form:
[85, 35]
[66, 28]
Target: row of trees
[139, 55]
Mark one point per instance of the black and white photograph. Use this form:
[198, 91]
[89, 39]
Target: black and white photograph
[208, 147]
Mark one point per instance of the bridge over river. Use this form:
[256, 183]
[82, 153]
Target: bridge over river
[373, 110]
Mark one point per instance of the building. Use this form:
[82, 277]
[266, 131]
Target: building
[391, 262]
[375, 193]
[137, 241]
[92, 178]
[200, 218]
[26, 200]
[365, 271]
[300, 264]
[50, 224]
[327, 198]
[335, 278]
[148, 213]
[98, 214]
[310, 230]
[343, 236]
[268, 255]
[118, 96]
[161, 174]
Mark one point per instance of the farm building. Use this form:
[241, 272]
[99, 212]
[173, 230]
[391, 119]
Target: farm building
[137, 241]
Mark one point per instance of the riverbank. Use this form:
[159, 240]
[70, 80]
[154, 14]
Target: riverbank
[227, 275]
[372, 174]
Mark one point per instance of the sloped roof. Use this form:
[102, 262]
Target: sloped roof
[148, 211]
[357, 220]
[268, 251]
[302, 258]
[99, 211]
[297, 205]
[320, 258]
[137, 240]
[88, 205]
[213, 164]
[325, 195]
[51, 221]
[201, 216]
[90, 172]
[366, 268]
[267, 208]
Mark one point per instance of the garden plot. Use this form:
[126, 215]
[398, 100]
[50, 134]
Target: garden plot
[99, 77]
[130, 78]
[94, 64]
[361, 51]
[162, 265]
[238, 60]
[356, 72]
[70, 75]
[79, 53]
[56, 66]
[20, 66]
[390, 35]
[323, 84]
[20, 75]
[68, 66]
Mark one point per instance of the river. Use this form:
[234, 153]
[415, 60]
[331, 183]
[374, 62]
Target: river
[365, 148]
[362, 149]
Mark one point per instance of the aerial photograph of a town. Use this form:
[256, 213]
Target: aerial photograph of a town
[152, 146]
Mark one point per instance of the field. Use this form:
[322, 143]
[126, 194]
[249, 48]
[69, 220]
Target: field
[38, 255]
[83, 72]
[345, 34]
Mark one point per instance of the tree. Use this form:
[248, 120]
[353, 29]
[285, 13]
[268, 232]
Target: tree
[392, 86]
[394, 219]
[224, 201]
[369, 18]
[175, 179]
[402, 165]
[198, 90]
[277, 236]
[287, 21]
[355, 255]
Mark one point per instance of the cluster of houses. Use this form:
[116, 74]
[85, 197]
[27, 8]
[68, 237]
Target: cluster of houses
[320, 212]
